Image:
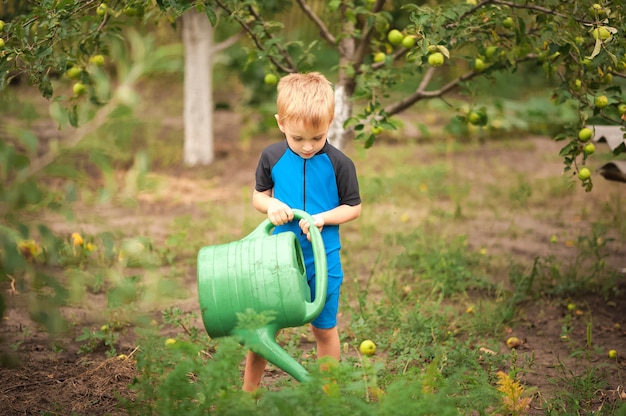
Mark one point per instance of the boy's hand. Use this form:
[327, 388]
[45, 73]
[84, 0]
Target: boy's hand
[318, 221]
[279, 213]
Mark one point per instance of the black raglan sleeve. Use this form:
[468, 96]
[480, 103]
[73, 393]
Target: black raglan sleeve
[347, 181]
[268, 159]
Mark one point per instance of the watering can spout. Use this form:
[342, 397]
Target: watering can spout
[262, 341]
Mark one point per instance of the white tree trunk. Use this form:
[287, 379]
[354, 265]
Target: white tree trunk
[337, 135]
[198, 89]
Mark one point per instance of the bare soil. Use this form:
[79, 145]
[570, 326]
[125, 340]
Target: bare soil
[36, 379]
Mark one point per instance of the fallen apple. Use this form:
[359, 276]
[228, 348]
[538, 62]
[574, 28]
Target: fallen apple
[367, 347]
[513, 342]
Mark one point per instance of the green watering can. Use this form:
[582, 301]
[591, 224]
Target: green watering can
[264, 272]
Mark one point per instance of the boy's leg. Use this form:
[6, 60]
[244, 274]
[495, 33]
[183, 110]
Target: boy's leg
[327, 342]
[255, 366]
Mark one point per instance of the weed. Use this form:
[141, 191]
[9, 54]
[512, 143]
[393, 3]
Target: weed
[93, 339]
[514, 401]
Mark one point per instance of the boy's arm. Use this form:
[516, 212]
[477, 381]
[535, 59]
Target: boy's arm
[336, 216]
[278, 212]
[339, 215]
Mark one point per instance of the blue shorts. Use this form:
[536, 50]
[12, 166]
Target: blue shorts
[328, 317]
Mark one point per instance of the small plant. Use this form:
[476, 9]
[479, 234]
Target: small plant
[514, 401]
[105, 336]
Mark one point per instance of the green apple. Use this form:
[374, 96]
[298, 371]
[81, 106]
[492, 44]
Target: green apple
[435, 59]
[367, 347]
[379, 56]
[622, 108]
[270, 79]
[79, 88]
[73, 72]
[479, 65]
[491, 50]
[1, 43]
[102, 9]
[130, 11]
[579, 40]
[376, 129]
[408, 42]
[597, 9]
[585, 134]
[601, 33]
[584, 174]
[395, 37]
[601, 101]
[2, 25]
[97, 60]
[476, 117]
[612, 354]
[577, 85]
[589, 148]
[508, 23]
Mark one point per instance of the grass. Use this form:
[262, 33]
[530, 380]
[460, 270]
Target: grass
[435, 275]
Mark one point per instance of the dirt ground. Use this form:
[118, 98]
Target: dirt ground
[36, 379]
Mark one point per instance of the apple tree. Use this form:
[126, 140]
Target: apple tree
[446, 47]
[86, 58]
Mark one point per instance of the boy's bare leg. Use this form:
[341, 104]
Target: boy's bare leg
[327, 342]
[255, 366]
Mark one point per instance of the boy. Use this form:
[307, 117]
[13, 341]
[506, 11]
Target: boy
[307, 173]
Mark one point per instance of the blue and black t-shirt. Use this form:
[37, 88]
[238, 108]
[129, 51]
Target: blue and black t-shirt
[315, 185]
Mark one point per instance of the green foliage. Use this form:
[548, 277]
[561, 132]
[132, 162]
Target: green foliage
[588, 271]
[448, 263]
[92, 339]
[512, 39]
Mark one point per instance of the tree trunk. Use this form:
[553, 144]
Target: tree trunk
[344, 89]
[198, 89]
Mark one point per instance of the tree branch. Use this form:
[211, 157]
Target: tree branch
[226, 43]
[421, 94]
[282, 51]
[324, 32]
[528, 6]
[290, 67]
[534, 7]
[363, 45]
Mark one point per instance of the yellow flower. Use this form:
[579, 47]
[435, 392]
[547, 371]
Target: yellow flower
[29, 248]
[77, 240]
[89, 247]
[170, 341]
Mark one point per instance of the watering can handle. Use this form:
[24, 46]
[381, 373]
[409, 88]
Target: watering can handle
[319, 258]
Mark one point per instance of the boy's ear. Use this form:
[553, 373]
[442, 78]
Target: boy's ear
[280, 125]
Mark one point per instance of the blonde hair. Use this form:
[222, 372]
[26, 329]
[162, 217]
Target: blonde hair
[305, 98]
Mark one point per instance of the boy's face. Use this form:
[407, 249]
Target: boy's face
[304, 140]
